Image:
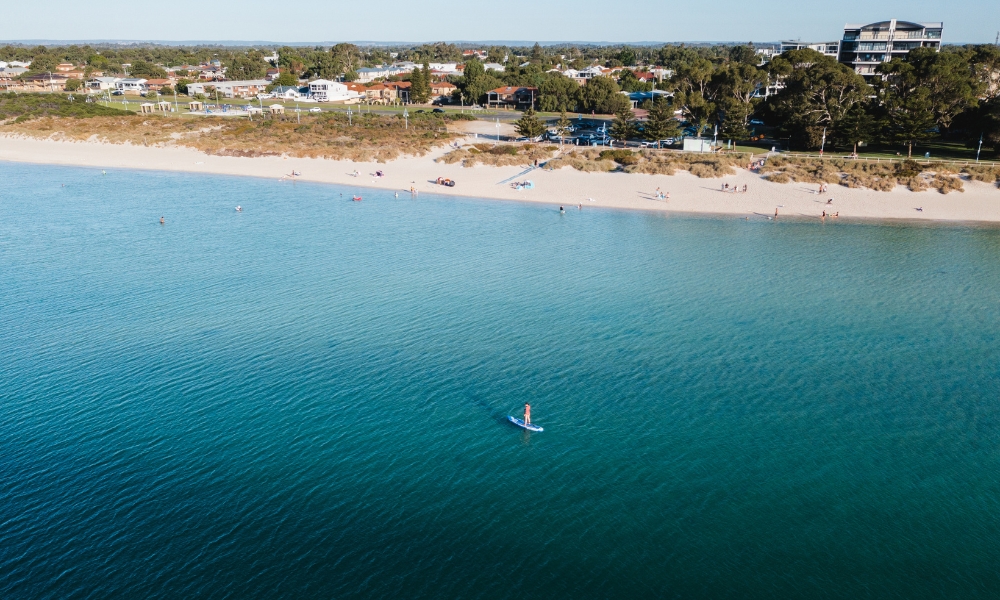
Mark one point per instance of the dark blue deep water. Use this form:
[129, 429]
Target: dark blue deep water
[308, 399]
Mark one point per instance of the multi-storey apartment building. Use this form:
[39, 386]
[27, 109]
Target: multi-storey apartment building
[864, 47]
[831, 49]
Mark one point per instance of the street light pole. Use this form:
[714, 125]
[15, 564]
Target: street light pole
[980, 149]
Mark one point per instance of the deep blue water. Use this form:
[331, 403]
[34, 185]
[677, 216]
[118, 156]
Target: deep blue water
[308, 399]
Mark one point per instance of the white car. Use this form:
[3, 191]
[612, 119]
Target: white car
[315, 109]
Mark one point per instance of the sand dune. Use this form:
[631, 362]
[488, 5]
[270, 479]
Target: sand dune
[567, 187]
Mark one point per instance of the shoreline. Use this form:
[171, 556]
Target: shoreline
[980, 203]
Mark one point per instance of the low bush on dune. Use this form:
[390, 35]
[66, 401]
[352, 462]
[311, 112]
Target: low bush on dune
[983, 173]
[946, 184]
[502, 155]
[24, 107]
[330, 135]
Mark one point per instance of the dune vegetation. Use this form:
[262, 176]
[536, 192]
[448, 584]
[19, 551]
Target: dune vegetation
[875, 175]
[365, 137]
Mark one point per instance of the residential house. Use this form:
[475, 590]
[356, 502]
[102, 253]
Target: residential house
[289, 92]
[512, 97]
[272, 74]
[231, 89]
[357, 88]
[131, 85]
[441, 92]
[493, 67]
[158, 84]
[398, 91]
[100, 84]
[8, 73]
[323, 90]
[44, 82]
[212, 73]
[480, 54]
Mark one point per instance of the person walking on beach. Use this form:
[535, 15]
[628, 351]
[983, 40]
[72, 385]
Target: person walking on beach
[527, 414]
[775, 213]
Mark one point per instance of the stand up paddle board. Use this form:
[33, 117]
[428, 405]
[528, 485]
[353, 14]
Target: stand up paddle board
[523, 425]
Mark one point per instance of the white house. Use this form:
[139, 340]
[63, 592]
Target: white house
[99, 84]
[323, 90]
[131, 84]
[288, 92]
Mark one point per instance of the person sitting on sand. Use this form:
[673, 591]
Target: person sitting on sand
[830, 201]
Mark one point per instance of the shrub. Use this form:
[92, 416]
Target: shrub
[945, 184]
[916, 184]
[622, 157]
[778, 177]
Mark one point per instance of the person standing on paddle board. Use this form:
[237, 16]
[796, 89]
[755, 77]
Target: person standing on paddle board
[527, 414]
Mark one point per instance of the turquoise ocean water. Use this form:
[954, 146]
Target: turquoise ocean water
[308, 399]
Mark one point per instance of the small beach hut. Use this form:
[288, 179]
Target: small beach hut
[253, 110]
[276, 109]
[146, 107]
[163, 105]
[195, 105]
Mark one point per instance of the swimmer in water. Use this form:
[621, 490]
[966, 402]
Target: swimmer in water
[161, 221]
[562, 210]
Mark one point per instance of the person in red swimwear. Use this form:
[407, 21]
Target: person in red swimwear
[527, 414]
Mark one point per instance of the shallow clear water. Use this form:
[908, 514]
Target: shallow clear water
[308, 399]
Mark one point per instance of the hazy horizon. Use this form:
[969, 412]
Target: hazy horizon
[636, 22]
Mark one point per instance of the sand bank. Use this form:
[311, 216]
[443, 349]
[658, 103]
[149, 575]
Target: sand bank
[568, 187]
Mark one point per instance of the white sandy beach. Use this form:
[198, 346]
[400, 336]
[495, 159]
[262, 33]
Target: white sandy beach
[567, 187]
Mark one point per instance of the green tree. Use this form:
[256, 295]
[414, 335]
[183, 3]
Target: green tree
[744, 54]
[906, 106]
[556, 92]
[563, 124]
[476, 82]
[697, 111]
[420, 84]
[146, 70]
[182, 86]
[627, 57]
[818, 93]
[856, 127]
[324, 66]
[151, 95]
[73, 84]
[602, 95]
[623, 127]
[246, 66]
[529, 125]
[950, 79]
[166, 91]
[286, 79]
[661, 123]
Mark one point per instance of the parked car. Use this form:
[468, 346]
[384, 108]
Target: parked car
[439, 110]
[315, 109]
[117, 93]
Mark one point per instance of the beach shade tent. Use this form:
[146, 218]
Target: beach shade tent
[195, 106]
[146, 107]
[163, 105]
[276, 109]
